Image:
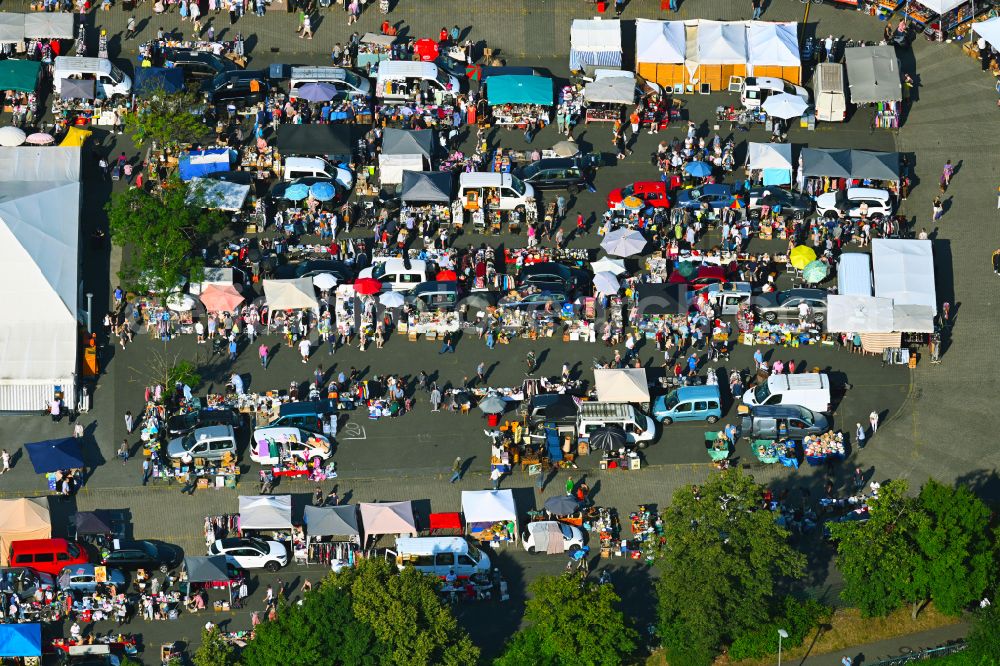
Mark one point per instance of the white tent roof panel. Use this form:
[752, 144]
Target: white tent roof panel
[769, 155]
[391, 167]
[625, 385]
[265, 512]
[903, 270]
[297, 294]
[48, 25]
[858, 314]
[483, 506]
[595, 35]
[722, 43]
[989, 30]
[773, 44]
[659, 41]
[11, 27]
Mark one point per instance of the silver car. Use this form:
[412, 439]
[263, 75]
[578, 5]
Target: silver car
[781, 305]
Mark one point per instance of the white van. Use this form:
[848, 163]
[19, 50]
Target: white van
[348, 84]
[438, 556]
[831, 96]
[271, 445]
[756, 89]
[108, 79]
[810, 390]
[401, 80]
[398, 275]
[639, 429]
[315, 167]
[500, 190]
[854, 274]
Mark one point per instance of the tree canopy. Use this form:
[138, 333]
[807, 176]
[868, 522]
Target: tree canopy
[213, 651]
[722, 560]
[166, 118]
[164, 233]
[936, 546]
[573, 621]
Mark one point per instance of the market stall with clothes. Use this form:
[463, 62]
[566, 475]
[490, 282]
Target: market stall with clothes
[940, 16]
[828, 169]
[372, 49]
[769, 164]
[19, 80]
[595, 43]
[490, 516]
[380, 519]
[426, 201]
[201, 574]
[404, 150]
[522, 101]
[333, 535]
[270, 516]
[660, 52]
[610, 98]
[289, 294]
[873, 80]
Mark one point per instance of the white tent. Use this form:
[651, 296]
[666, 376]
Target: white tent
[659, 42]
[595, 42]
[989, 30]
[48, 25]
[11, 28]
[297, 294]
[486, 506]
[391, 167]
[769, 155]
[773, 44]
[858, 314]
[912, 319]
[265, 512]
[39, 274]
[611, 90]
[625, 385]
[941, 6]
[722, 43]
[380, 518]
[903, 270]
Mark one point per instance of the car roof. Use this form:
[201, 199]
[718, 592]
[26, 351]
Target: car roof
[550, 162]
[433, 287]
[545, 267]
[213, 432]
[803, 292]
[307, 407]
[867, 193]
[695, 392]
[715, 188]
[779, 411]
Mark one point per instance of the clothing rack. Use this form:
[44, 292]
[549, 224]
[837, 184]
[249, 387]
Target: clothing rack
[221, 527]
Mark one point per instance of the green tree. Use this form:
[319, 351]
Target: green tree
[720, 565]
[408, 617]
[213, 651]
[166, 118]
[164, 232]
[572, 621]
[984, 639]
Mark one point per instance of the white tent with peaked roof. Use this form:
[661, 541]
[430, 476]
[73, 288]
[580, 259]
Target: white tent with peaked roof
[39, 274]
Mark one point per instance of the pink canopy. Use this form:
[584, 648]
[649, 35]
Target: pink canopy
[388, 518]
[221, 298]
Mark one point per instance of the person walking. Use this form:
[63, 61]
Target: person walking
[561, 206]
[495, 478]
[581, 226]
[232, 349]
[129, 422]
[435, 399]
[307, 30]
[859, 435]
[529, 361]
[873, 420]
[481, 372]
[456, 469]
[304, 349]
[446, 344]
[130, 28]
[123, 451]
[263, 352]
[946, 173]
[570, 485]
[5, 461]
[938, 208]
[758, 9]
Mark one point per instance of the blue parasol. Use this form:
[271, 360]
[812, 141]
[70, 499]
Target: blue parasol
[297, 192]
[698, 169]
[322, 191]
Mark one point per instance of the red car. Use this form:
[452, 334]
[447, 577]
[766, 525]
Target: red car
[655, 193]
[705, 276]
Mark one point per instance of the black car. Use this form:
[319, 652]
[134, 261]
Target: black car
[241, 87]
[132, 555]
[313, 267]
[550, 276]
[182, 424]
[799, 205]
[559, 173]
[198, 66]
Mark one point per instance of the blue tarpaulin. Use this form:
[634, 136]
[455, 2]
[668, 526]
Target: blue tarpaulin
[20, 640]
[552, 444]
[149, 80]
[777, 176]
[53, 455]
[517, 89]
[203, 162]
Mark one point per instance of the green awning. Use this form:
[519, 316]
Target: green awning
[519, 89]
[19, 75]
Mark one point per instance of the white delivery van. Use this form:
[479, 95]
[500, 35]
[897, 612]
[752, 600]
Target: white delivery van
[402, 80]
[756, 89]
[108, 79]
[316, 167]
[271, 445]
[639, 429]
[348, 84]
[502, 190]
[831, 95]
[854, 274]
[396, 274]
[810, 390]
[438, 556]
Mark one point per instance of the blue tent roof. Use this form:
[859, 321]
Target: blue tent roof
[518, 89]
[149, 80]
[203, 162]
[20, 640]
[53, 455]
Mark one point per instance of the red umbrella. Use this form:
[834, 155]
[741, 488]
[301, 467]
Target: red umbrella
[367, 286]
[447, 276]
[426, 49]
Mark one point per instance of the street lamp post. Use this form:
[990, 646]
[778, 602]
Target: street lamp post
[781, 634]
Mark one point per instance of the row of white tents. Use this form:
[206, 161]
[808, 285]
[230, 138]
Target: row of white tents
[16, 28]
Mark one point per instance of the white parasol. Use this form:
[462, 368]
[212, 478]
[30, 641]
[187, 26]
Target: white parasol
[391, 299]
[179, 302]
[325, 281]
[623, 242]
[784, 106]
[608, 265]
[606, 283]
[12, 136]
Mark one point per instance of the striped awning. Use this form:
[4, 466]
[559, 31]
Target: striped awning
[578, 59]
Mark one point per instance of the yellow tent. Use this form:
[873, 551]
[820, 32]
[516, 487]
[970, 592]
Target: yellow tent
[75, 137]
[22, 519]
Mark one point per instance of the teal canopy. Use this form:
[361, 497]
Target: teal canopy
[519, 89]
[19, 75]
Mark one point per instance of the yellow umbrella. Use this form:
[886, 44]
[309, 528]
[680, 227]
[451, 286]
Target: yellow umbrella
[75, 137]
[801, 256]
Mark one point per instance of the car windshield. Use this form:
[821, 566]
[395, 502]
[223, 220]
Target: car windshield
[517, 185]
[73, 550]
[353, 79]
[259, 544]
[531, 170]
[116, 75]
[475, 554]
[628, 190]
[378, 271]
[761, 394]
[671, 401]
[188, 442]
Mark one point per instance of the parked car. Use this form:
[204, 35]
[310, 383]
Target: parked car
[83, 578]
[653, 193]
[572, 536]
[432, 296]
[198, 66]
[141, 554]
[237, 87]
[24, 582]
[785, 304]
[318, 416]
[777, 421]
[313, 267]
[799, 205]
[716, 195]
[850, 203]
[210, 443]
[182, 424]
[251, 553]
[689, 403]
[539, 300]
[288, 442]
[558, 173]
[550, 275]
[702, 278]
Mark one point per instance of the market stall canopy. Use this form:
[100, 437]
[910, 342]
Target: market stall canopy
[769, 155]
[218, 194]
[92, 522]
[912, 318]
[312, 139]
[408, 142]
[265, 512]
[297, 294]
[339, 521]
[661, 299]
[566, 148]
[53, 455]
[621, 385]
[49, 25]
[873, 74]
[379, 518]
[989, 30]
[22, 75]
[380, 40]
[20, 640]
[903, 270]
[427, 186]
[722, 43]
[875, 165]
[221, 298]
[77, 89]
[492, 404]
[21, 519]
[562, 505]
[595, 42]
[611, 90]
[941, 6]
[39, 259]
[826, 162]
[773, 44]
[661, 42]
[486, 506]
[196, 163]
[202, 569]
[858, 314]
[155, 80]
[11, 28]
[513, 89]
[392, 167]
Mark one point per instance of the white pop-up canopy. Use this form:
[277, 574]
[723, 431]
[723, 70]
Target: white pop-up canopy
[39, 283]
[769, 155]
[595, 42]
[265, 512]
[624, 385]
[659, 41]
[486, 506]
[297, 294]
[903, 270]
[391, 167]
[773, 44]
[48, 25]
[858, 314]
[379, 518]
[941, 6]
[722, 43]
[989, 30]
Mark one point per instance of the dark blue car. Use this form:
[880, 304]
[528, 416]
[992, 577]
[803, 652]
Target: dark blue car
[539, 300]
[716, 195]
